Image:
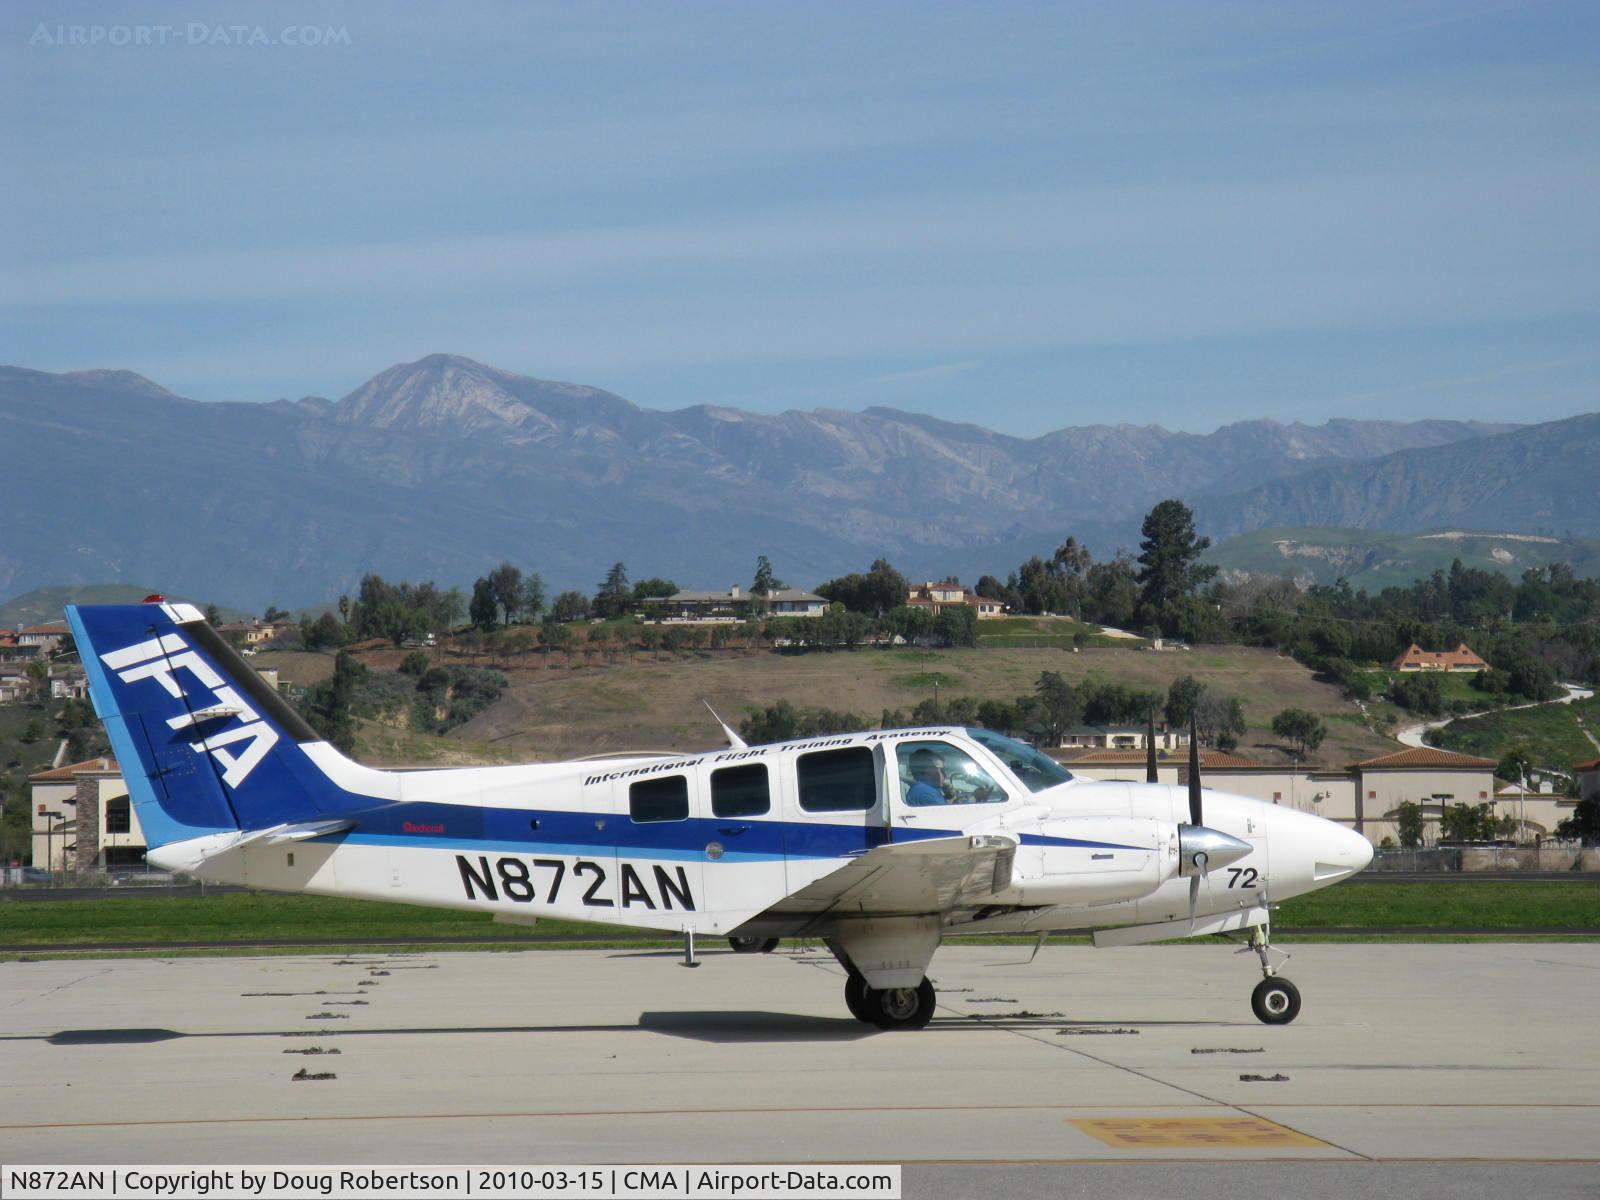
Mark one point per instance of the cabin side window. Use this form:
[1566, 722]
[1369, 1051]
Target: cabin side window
[837, 780]
[664, 799]
[741, 791]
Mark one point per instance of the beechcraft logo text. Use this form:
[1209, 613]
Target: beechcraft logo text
[236, 749]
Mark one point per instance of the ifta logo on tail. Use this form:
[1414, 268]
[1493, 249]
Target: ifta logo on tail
[160, 659]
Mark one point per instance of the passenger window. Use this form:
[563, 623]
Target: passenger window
[664, 799]
[837, 780]
[740, 791]
[939, 773]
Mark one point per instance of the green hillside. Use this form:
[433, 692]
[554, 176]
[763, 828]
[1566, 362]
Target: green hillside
[1373, 559]
[45, 603]
[1552, 733]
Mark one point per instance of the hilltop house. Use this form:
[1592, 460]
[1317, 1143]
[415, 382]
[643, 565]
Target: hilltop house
[938, 596]
[1417, 659]
[735, 604]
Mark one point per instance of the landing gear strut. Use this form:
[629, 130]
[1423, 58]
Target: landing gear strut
[1275, 1000]
[889, 1008]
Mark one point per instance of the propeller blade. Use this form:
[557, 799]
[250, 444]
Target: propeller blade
[1151, 775]
[1194, 774]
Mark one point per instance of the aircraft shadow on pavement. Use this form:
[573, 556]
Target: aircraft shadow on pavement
[705, 1026]
[744, 1026]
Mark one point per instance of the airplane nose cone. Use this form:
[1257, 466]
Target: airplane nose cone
[1340, 852]
[1358, 849]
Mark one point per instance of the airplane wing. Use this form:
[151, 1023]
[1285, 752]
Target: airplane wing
[929, 876]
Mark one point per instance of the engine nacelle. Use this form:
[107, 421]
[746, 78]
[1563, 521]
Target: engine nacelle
[1092, 860]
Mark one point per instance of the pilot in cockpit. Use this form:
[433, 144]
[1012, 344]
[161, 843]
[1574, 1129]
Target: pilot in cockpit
[928, 782]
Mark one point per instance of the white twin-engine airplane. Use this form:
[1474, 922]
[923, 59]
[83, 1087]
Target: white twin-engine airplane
[880, 843]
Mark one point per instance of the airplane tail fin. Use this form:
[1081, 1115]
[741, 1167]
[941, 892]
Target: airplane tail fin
[206, 745]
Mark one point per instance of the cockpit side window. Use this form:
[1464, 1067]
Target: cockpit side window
[940, 773]
[1033, 768]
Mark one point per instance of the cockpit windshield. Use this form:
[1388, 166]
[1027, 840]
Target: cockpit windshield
[1037, 771]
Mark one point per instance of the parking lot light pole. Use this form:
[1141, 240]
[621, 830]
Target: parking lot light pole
[49, 839]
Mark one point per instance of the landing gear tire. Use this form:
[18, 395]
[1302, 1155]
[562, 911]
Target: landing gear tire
[891, 1008]
[753, 945]
[855, 999]
[1275, 1001]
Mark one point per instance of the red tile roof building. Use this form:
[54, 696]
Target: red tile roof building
[1417, 659]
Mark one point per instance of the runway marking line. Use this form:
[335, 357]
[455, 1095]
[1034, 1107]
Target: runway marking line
[719, 1112]
[1140, 1133]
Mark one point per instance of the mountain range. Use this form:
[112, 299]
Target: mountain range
[442, 467]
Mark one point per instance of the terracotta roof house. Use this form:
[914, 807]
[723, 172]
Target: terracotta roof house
[939, 596]
[1416, 658]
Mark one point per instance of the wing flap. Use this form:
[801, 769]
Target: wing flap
[931, 875]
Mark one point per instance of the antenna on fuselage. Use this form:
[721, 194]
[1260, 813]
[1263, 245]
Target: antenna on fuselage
[734, 740]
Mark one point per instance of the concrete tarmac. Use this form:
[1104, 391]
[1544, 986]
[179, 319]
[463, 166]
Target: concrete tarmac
[1431, 1070]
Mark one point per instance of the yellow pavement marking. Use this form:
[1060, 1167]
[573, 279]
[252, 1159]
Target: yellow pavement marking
[1190, 1132]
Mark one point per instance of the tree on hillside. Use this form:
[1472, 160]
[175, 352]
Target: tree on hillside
[653, 588]
[506, 583]
[38, 682]
[1219, 720]
[483, 611]
[1056, 706]
[327, 706]
[1304, 730]
[213, 615]
[324, 633]
[1182, 696]
[765, 581]
[1421, 693]
[569, 606]
[1516, 765]
[553, 635]
[615, 595]
[880, 590]
[1113, 591]
[1169, 561]
[1040, 586]
[344, 609]
[533, 597]
[1533, 678]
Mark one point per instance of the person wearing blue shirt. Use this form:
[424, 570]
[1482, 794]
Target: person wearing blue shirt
[927, 773]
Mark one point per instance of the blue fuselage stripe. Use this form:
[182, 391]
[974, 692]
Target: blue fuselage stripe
[467, 828]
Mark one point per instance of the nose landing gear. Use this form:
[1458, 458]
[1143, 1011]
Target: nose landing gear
[1275, 1000]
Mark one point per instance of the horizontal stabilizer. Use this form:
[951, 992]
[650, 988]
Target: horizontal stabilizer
[302, 832]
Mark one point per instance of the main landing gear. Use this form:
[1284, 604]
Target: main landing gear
[753, 945]
[889, 1008]
[1275, 1000]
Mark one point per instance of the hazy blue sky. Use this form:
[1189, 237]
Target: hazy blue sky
[1025, 216]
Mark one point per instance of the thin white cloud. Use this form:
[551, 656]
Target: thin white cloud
[923, 374]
